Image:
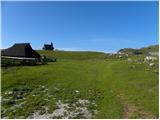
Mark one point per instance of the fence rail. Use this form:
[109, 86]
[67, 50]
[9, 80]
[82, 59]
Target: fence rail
[11, 61]
[18, 58]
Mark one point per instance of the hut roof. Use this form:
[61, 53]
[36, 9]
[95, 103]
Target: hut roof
[20, 50]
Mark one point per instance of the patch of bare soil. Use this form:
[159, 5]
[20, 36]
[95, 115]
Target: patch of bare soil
[132, 111]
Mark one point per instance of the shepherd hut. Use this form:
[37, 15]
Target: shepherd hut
[20, 50]
[48, 46]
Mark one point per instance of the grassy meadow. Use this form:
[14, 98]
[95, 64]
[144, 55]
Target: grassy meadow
[81, 85]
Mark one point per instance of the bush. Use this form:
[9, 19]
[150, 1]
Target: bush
[137, 52]
[47, 59]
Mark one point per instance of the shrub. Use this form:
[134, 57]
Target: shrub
[137, 52]
[47, 59]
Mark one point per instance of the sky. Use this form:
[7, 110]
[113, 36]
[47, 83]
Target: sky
[90, 26]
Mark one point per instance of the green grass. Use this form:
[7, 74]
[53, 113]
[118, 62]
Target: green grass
[144, 50]
[96, 78]
[152, 48]
[73, 55]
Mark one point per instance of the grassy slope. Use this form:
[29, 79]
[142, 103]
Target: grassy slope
[72, 55]
[144, 50]
[100, 80]
[153, 48]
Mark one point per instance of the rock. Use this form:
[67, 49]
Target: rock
[42, 87]
[10, 92]
[129, 59]
[151, 64]
[66, 111]
[19, 97]
[127, 55]
[77, 92]
[150, 58]
[83, 102]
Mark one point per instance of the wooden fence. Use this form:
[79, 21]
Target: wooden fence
[6, 60]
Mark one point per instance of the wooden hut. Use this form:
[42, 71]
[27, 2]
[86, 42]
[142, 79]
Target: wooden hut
[48, 46]
[20, 50]
[19, 53]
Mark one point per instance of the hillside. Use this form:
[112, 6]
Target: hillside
[74, 55]
[144, 50]
[84, 55]
[82, 85]
[152, 48]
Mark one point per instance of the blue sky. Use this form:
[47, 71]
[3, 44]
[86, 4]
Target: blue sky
[97, 26]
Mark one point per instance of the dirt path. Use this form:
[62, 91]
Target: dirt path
[132, 111]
